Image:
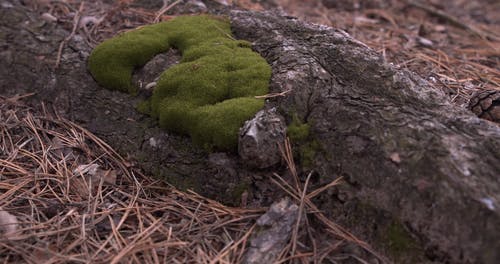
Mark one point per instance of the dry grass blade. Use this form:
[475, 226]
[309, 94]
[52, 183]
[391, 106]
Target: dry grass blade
[164, 9]
[301, 210]
[68, 215]
[273, 95]
[76, 22]
[307, 206]
[135, 219]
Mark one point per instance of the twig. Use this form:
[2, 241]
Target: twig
[303, 196]
[164, 9]
[76, 22]
[272, 95]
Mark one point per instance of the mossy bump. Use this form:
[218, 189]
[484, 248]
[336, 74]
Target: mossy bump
[208, 95]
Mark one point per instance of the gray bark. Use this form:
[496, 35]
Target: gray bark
[275, 229]
[407, 154]
[402, 147]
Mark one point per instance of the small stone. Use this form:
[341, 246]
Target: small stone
[152, 142]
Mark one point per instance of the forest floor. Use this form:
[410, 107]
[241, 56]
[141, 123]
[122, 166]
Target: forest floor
[453, 44]
[67, 196]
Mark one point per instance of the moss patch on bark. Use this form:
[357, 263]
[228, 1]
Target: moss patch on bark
[208, 95]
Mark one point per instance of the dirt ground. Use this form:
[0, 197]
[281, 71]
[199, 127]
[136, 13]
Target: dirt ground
[113, 213]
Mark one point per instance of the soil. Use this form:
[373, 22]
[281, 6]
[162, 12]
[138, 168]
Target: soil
[458, 60]
[109, 114]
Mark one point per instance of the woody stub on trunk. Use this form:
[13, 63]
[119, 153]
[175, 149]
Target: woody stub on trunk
[412, 162]
[404, 150]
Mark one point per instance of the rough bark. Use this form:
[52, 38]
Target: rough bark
[402, 147]
[275, 229]
[408, 156]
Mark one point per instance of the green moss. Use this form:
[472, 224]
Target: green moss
[208, 95]
[299, 134]
[297, 130]
[308, 152]
[144, 107]
[399, 242]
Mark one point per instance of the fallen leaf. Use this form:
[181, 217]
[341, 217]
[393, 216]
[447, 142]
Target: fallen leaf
[90, 169]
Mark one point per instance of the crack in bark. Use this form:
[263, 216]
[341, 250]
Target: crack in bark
[365, 111]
